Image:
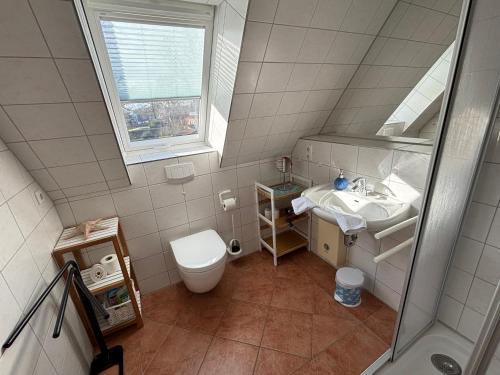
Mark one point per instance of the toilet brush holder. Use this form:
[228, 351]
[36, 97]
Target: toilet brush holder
[234, 247]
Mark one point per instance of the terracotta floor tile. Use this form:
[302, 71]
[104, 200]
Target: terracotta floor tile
[243, 322]
[271, 362]
[382, 323]
[164, 305]
[259, 262]
[325, 304]
[288, 331]
[355, 352]
[369, 305]
[254, 288]
[294, 295]
[181, 353]
[229, 357]
[329, 328]
[225, 287]
[140, 345]
[203, 313]
[323, 364]
[289, 270]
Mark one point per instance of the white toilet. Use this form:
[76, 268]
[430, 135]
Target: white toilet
[201, 259]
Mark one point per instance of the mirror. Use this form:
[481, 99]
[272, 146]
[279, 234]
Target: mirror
[398, 88]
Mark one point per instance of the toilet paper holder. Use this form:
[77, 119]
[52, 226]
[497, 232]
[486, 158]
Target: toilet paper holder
[224, 195]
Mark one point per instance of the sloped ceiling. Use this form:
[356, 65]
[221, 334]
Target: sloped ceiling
[329, 66]
[297, 58]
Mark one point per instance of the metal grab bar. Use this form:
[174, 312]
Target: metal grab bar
[395, 228]
[394, 250]
[102, 361]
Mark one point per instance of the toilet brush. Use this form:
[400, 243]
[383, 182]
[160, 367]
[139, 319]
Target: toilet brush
[234, 247]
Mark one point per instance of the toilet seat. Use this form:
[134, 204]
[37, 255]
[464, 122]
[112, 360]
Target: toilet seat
[199, 252]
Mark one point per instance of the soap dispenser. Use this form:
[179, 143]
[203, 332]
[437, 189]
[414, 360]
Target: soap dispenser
[341, 182]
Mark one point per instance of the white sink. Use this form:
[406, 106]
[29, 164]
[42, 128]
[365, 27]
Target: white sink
[379, 210]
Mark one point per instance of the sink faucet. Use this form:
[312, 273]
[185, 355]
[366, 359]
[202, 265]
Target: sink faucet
[359, 185]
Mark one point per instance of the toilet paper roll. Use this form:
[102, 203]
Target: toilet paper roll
[110, 263]
[97, 273]
[229, 204]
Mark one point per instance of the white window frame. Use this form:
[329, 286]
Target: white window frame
[170, 14]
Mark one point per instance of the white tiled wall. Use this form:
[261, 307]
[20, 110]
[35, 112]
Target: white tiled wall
[403, 172]
[28, 233]
[475, 271]
[413, 37]
[52, 115]
[296, 60]
[154, 212]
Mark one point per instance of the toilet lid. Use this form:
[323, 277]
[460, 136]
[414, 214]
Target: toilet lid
[198, 251]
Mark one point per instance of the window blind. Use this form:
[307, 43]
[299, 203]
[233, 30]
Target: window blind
[151, 61]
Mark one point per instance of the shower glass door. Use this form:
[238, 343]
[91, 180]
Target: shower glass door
[466, 121]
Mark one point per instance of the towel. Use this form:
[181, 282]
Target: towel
[349, 223]
[302, 204]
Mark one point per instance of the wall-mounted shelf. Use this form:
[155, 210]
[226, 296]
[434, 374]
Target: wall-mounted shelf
[279, 234]
[69, 245]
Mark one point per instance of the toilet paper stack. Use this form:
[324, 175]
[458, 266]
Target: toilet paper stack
[108, 265]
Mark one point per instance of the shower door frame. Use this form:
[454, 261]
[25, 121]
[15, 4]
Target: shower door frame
[449, 96]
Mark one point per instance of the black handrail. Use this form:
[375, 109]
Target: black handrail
[102, 361]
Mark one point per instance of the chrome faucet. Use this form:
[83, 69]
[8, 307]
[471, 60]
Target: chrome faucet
[359, 185]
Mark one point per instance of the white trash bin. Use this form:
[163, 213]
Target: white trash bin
[349, 282]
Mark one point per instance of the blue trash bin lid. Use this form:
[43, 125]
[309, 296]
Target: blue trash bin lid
[349, 277]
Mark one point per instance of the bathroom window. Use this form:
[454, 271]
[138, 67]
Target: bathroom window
[155, 65]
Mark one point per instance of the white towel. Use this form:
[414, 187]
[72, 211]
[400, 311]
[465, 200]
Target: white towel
[302, 204]
[349, 223]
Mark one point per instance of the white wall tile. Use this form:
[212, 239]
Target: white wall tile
[262, 10]
[470, 323]
[11, 235]
[200, 208]
[77, 174]
[284, 43]
[477, 221]
[246, 79]
[489, 265]
[132, 201]
[54, 16]
[450, 311]
[64, 151]
[171, 216]
[43, 121]
[140, 224]
[255, 41]
[467, 254]
[374, 162]
[94, 117]
[29, 81]
[295, 12]
[166, 194]
[144, 246]
[15, 177]
[79, 77]
[274, 77]
[265, 104]
[25, 155]
[22, 275]
[480, 295]
[494, 235]
[458, 284]
[344, 157]
[93, 208]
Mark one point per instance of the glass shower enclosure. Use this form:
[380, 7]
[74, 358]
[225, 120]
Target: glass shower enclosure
[466, 121]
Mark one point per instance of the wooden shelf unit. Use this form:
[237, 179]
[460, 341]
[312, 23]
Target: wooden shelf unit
[285, 237]
[125, 277]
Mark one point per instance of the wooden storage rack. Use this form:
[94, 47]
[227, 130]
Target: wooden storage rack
[125, 277]
[285, 237]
